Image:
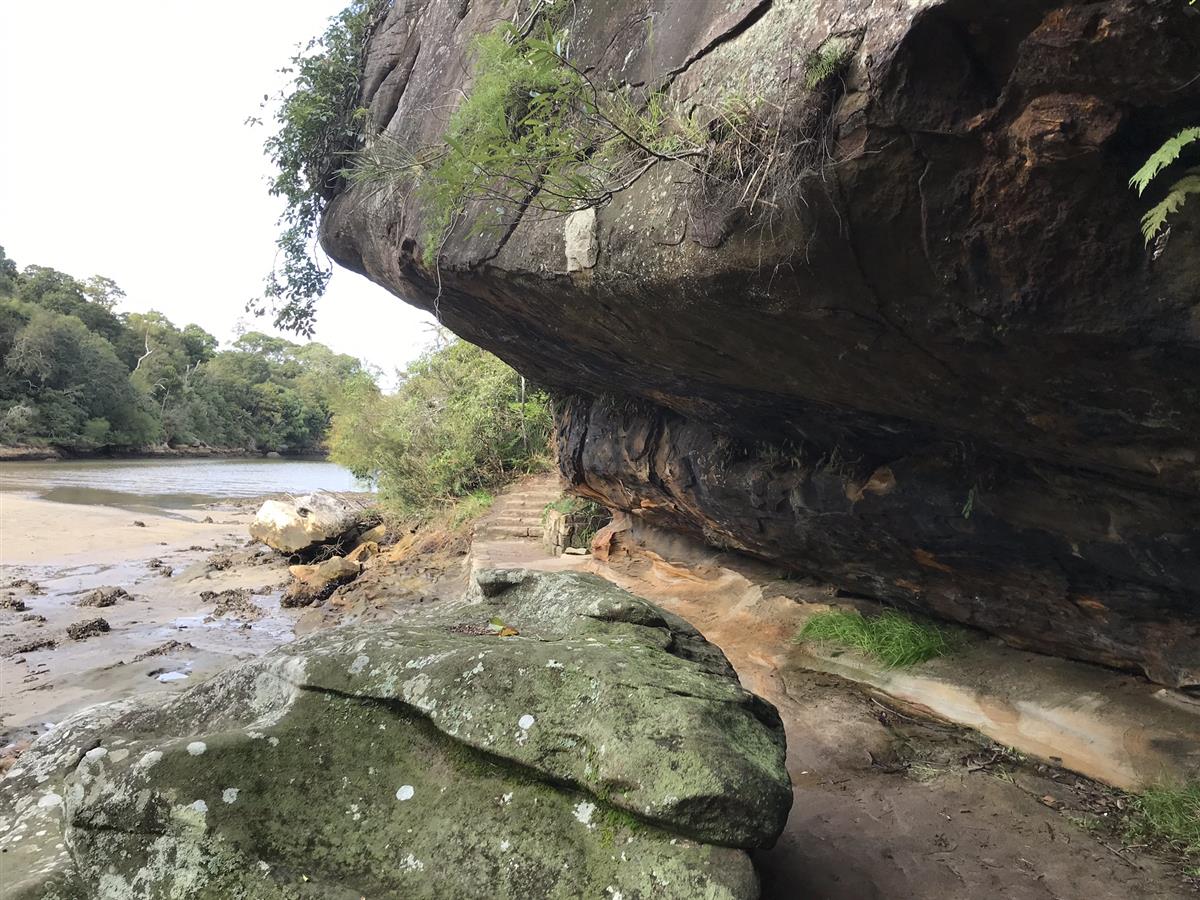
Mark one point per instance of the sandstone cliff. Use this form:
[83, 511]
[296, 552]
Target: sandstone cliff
[944, 372]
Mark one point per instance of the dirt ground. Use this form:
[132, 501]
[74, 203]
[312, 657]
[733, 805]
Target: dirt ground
[891, 805]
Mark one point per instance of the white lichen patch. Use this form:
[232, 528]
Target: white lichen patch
[199, 806]
[554, 664]
[422, 661]
[415, 692]
[584, 812]
[405, 792]
[48, 800]
[504, 846]
[526, 722]
[360, 663]
[95, 754]
[196, 748]
[149, 758]
[411, 864]
[229, 795]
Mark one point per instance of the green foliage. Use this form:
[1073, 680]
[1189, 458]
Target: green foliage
[459, 423]
[533, 130]
[826, 62]
[1156, 218]
[892, 638]
[470, 508]
[76, 374]
[1167, 815]
[586, 516]
[318, 122]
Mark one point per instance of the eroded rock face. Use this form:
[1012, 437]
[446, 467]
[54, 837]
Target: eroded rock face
[606, 749]
[948, 373]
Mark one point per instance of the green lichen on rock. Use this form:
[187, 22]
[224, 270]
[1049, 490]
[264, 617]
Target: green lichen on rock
[605, 750]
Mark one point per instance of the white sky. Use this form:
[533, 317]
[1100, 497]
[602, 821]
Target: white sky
[123, 153]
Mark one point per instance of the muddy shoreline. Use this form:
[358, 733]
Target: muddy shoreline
[197, 600]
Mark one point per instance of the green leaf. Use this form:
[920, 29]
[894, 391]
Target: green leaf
[1156, 218]
[1163, 157]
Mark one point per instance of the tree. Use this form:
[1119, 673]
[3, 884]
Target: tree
[459, 422]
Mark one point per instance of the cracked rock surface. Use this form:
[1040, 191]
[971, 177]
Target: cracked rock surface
[606, 747]
[945, 372]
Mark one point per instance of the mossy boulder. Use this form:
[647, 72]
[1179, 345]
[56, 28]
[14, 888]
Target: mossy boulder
[605, 750]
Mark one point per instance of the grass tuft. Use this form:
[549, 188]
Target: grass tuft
[1167, 815]
[893, 638]
[469, 508]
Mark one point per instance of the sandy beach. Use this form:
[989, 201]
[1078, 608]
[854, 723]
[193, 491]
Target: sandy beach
[162, 636]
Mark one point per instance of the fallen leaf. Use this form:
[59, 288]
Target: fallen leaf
[508, 631]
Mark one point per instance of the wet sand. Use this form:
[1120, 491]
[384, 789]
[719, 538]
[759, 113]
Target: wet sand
[68, 550]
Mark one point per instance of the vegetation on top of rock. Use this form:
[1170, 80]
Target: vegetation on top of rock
[460, 422]
[894, 639]
[533, 130]
[536, 131]
[75, 373]
[1156, 218]
[827, 61]
[318, 123]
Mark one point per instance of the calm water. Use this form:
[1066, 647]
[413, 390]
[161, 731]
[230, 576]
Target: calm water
[171, 483]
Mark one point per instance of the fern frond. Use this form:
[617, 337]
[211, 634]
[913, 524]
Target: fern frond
[1163, 157]
[1154, 220]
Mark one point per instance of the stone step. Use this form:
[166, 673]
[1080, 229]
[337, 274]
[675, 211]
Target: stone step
[487, 531]
[524, 501]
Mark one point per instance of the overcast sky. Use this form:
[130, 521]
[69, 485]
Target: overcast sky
[124, 154]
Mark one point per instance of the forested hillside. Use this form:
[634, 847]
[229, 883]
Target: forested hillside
[76, 374]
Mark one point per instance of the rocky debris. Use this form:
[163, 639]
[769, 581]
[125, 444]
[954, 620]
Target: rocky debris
[35, 618]
[943, 371]
[218, 562]
[376, 534]
[607, 751]
[26, 586]
[291, 526]
[32, 645]
[104, 596]
[88, 628]
[207, 520]
[138, 523]
[160, 567]
[12, 602]
[235, 602]
[171, 646]
[313, 583]
[364, 551]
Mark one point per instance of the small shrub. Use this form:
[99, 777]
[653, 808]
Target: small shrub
[892, 638]
[826, 62]
[1167, 815]
[461, 422]
[586, 517]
